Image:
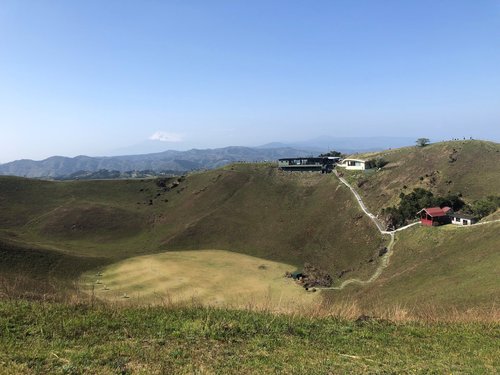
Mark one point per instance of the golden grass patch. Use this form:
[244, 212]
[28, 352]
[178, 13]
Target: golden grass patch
[207, 277]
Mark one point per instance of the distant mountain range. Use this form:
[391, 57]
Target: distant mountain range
[195, 159]
[60, 166]
[346, 145]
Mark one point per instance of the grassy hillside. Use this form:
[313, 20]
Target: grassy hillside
[438, 270]
[471, 168]
[246, 208]
[288, 217]
[35, 272]
[41, 263]
[71, 339]
[257, 210]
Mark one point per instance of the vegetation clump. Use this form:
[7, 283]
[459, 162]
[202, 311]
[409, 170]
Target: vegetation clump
[483, 207]
[419, 198]
[422, 142]
[332, 153]
[378, 162]
[411, 203]
[312, 276]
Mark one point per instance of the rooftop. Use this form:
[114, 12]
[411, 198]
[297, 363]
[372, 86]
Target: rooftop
[434, 211]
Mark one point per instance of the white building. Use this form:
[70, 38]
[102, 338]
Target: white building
[460, 219]
[355, 164]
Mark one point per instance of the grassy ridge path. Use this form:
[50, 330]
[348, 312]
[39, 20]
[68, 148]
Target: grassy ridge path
[385, 259]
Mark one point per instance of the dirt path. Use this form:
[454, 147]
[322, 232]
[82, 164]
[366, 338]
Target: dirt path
[363, 206]
[384, 262]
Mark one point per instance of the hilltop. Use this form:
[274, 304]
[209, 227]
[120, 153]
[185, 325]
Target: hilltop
[470, 168]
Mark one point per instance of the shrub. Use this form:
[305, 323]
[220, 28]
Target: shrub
[422, 142]
[483, 207]
[413, 202]
[378, 162]
[361, 182]
[332, 153]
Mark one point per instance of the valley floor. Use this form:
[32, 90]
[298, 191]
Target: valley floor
[207, 277]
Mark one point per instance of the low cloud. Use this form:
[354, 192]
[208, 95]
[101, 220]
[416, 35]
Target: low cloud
[166, 137]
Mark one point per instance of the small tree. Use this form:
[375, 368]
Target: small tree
[332, 153]
[378, 162]
[422, 142]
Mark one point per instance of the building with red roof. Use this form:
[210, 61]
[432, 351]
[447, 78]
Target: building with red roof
[434, 216]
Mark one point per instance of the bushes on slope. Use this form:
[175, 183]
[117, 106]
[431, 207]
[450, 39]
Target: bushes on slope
[410, 204]
[483, 207]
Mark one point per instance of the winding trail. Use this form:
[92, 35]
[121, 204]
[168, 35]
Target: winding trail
[384, 262]
[362, 205]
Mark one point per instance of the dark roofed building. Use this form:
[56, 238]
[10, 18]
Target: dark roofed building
[320, 164]
[462, 219]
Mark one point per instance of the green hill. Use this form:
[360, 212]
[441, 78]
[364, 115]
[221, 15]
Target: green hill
[246, 208]
[436, 272]
[257, 210]
[36, 272]
[469, 168]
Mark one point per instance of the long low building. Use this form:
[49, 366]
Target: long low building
[356, 164]
[462, 219]
[318, 164]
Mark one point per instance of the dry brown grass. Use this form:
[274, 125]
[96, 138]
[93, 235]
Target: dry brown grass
[17, 286]
[211, 277]
[346, 308]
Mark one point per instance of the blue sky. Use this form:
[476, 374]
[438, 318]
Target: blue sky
[89, 77]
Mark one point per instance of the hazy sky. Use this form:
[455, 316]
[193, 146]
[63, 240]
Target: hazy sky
[88, 77]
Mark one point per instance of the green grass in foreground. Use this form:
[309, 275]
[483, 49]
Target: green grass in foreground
[69, 339]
